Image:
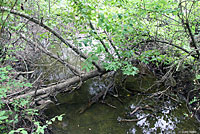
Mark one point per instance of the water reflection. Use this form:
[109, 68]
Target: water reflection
[101, 119]
[96, 87]
[164, 123]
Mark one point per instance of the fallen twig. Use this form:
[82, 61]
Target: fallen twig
[132, 120]
[103, 102]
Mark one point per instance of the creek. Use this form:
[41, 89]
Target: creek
[102, 119]
[164, 115]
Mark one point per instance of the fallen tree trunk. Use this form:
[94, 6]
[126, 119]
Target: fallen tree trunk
[59, 86]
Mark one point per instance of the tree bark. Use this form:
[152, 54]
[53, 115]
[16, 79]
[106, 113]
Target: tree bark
[71, 67]
[40, 23]
[65, 84]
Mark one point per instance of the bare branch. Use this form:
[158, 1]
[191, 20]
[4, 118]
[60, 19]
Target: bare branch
[102, 42]
[53, 32]
[171, 44]
[2, 28]
[71, 67]
[192, 37]
[111, 43]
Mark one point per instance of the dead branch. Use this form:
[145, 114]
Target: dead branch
[110, 105]
[53, 32]
[60, 86]
[171, 44]
[28, 72]
[146, 107]
[135, 110]
[102, 42]
[132, 120]
[71, 67]
[111, 43]
[192, 37]
[92, 101]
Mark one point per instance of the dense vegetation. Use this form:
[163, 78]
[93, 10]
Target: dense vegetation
[110, 35]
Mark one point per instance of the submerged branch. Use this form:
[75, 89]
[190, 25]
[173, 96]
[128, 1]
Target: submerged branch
[132, 120]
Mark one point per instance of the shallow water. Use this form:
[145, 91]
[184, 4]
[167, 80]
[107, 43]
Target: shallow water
[102, 119]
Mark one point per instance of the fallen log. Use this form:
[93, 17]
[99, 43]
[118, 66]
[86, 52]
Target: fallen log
[60, 86]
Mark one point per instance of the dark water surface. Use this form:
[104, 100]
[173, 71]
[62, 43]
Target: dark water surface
[103, 119]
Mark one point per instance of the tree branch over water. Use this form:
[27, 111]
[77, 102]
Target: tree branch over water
[171, 44]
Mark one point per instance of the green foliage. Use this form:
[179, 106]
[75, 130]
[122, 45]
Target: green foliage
[125, 23]
[39, 129]
[59, 118]
[123, 27]
[197, 77]
[195, 99]
[17, 107]
[125, 66]
[19, 130]
[87, 65]
[128, 23]
[115, 65]
[128, 69]
[9, 115]
[154, 56]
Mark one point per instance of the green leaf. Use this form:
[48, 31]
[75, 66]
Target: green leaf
[60, 118]
[198, 76]
[2, 113]
[49, 123]
[12, 132]
[53, 119]
[24, 132]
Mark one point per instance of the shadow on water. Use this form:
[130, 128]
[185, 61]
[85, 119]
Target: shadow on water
[102, 119]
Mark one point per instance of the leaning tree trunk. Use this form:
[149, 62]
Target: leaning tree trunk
[79, 75]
